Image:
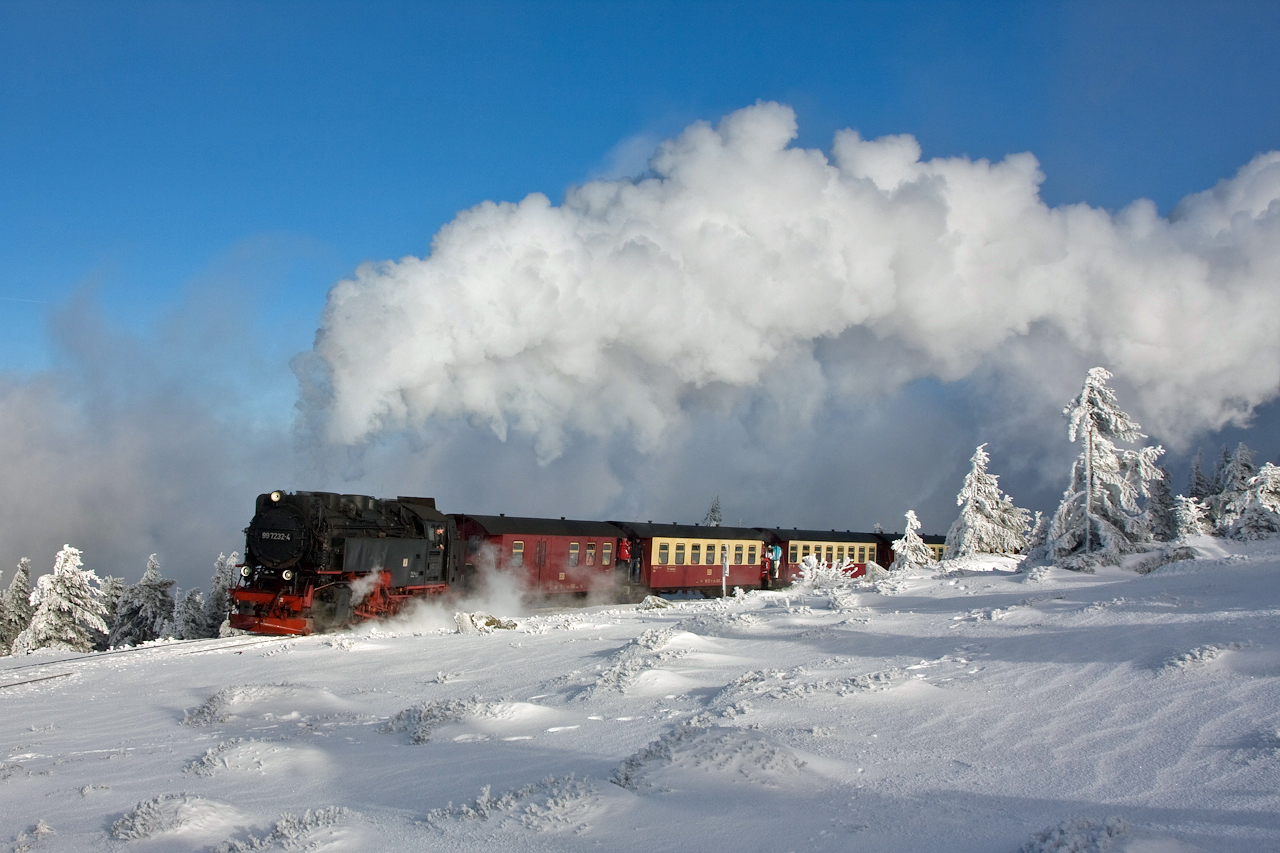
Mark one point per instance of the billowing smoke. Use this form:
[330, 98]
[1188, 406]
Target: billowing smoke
[743, 266]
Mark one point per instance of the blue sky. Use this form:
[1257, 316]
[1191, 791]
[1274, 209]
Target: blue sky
[182, 183]
[146, 146]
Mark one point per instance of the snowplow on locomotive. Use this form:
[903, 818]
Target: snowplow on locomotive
[319, 561]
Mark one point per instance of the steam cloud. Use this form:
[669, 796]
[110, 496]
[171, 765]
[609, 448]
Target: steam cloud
[743, 264]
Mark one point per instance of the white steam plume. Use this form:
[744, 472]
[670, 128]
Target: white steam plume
[729, 267]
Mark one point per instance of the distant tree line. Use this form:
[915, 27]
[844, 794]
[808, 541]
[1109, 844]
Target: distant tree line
[73, 609]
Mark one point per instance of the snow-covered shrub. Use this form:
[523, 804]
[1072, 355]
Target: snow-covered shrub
[291, 831]
[68, 608]
[481, 623]
[1077, 836]
[816, 574]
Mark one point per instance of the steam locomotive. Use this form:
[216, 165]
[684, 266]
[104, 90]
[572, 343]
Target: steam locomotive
[318, 561]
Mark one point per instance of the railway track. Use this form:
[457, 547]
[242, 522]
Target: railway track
[212, 645]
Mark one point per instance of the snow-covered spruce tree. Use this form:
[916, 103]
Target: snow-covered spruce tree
[713, 517]
[68, 608]
[190, 617]
[989, 523]
[1234, 476]
[1099, 518]
[145, 611]
[1256, 512]
[218, 605]
[910, 550]
[112, 589]
[1160, 514]
[1191, 517]
[1200, 486]
[1039, 533]
[15, 606]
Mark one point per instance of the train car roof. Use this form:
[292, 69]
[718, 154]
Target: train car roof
[933, 539]
[424, 508]
[503, 525]
[786, 535]
[648, 530]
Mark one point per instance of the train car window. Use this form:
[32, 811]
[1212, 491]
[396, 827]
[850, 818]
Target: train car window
[830, 555]
[606, 553]
[573, 553]
[711, 553]
[871, 553]
[662, 553]
[751, 555]
[517, 553]
[795, 555]
[695, 553]
[805, 551]
[840, 553]
[737, 555]
[591, 553]
[679, 553]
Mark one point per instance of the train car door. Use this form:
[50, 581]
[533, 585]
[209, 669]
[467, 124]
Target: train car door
[539, 574]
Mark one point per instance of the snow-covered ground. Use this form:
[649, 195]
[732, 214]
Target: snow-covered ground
[989, 712]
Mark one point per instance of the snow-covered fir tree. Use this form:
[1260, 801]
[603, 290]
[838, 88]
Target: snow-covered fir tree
[1200, 486]
[989, 523]
[145, 611]
[1224, 459]
[190, 617]
[1160, 513]
[112, 589]
[218, 605]
[713, 517]
[1099, 518]
[910, 550]
[15, 606]
[1191, 517]
[1039, 533]
[1255, 513]
[4, 643]
[1234, 474]
[68, 608]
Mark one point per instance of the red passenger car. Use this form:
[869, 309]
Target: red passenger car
[542, 554]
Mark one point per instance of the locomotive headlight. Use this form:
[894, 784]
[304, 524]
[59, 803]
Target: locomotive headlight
[276, 496]
[287, 574]
[244, 571]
